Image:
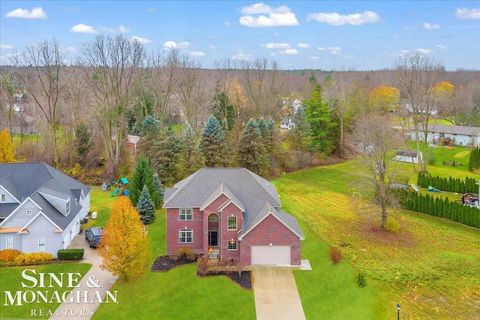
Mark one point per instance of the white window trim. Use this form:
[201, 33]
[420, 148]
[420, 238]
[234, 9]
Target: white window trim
[29, 212]
[7, 246]
[44, 243]
[180, 214]
[236, 245]
[228, 224]
[180, 236]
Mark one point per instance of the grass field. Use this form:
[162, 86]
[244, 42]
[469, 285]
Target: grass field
[431, 267]
[176, 294]
[444, 156]
[11, 279]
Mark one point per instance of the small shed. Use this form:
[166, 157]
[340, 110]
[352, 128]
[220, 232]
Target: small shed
[409, 156]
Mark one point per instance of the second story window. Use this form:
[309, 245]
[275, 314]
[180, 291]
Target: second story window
[232, 223]
[3, 197]
[186, 214]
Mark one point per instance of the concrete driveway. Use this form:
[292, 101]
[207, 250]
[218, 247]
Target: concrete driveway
[276, 294]
[105, 280]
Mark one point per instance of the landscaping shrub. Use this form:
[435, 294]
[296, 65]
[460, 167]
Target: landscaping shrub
[361, 281]
[202, 265]
[26, 259]
[70, 254]
[186, 253]
[335, 255]
[474, 161]
[8, 255]
[392, 225]
[451, 184]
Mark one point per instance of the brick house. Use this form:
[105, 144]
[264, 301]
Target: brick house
[232, 214]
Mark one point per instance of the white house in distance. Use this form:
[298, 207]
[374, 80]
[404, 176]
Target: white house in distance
[458, 135]
[287, 122]
[40, 207]
[409, 156]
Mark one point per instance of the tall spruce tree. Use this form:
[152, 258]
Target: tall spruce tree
[158, 189]
[143, 176]
[319, 117]
[474, 161]
[164, 155]
[251, 149]
[146, 206]
[212, 143]
[222, 109]
[191, 159]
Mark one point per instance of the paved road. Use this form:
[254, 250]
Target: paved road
[105, 278]
[276, 294]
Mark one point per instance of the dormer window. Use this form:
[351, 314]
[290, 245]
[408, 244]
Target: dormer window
[3, 197]
[67, 207]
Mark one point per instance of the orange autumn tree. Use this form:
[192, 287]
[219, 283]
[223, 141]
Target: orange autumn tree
[124, 245]
[7, 153]
[385, 98]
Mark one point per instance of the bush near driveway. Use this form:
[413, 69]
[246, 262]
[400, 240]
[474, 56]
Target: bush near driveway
[70, 254]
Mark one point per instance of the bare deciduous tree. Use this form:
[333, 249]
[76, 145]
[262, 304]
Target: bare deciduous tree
[112, 65]
[417, 75]
[377, 140]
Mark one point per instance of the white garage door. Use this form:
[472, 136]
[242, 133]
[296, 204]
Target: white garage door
[271, 255]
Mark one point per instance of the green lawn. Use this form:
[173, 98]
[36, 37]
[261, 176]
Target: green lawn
[178, 293]
[11, 279]
[100, 202]
[431, 266]
[444, 156]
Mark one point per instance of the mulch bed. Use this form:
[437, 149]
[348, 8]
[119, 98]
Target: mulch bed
[165, 263]
[244, 279]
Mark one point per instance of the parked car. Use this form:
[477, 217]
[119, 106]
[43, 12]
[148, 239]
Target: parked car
[93, 236]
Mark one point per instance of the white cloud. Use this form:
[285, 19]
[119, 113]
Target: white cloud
[241, 56]
[276, 45]
[337, 19]
[117, 29]
[141, 40]
[320, 48]
[83, 28]
[441, 47]
[35, 13]
[6, 46]
[197, 53]
[261, 15]
[303, 45]
[174, 45]
[122, 29]
[465, 13]
[314, 57]
[289, 52]
[431, 26]
[423, 50]
[335, 50]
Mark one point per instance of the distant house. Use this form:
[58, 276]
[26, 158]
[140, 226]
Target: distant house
[409, 156]
[231, 214]
[458, 135]
[288, 123]
[40, 207]
[432, 111]
[130, 143]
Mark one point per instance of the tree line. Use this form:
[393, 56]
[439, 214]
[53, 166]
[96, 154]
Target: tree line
[451, 184]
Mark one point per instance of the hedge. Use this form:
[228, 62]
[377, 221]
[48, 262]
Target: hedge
[26, 259]
[439, 207]
[474, 161]
[451, 184]
[70, 254]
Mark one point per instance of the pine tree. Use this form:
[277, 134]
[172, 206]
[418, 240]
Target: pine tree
[191, 159]
[158, 189]
[7, 153]
[299, 135]
[124, 245]
[212, 143]
[474, 161]
[82, 142]
[143, 176]
[164, 155]
[251, 150]
[146, 207]
[319, 116]
[222, 109]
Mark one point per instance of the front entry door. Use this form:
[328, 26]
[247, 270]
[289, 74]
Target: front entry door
[213, 238]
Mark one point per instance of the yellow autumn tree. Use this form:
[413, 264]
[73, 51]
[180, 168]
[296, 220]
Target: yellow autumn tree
[385, 98]
[124, 245]
[7, 153]
[444, 89]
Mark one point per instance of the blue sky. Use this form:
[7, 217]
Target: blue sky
[327, 35]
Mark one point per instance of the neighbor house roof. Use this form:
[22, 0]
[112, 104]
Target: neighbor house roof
[462, 130]
[250, 192]
[41, 183]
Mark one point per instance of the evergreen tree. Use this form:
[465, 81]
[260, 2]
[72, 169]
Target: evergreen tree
[299, 135]
[213, 142]
[164, 155]
[474, 161]
[322, 126]
[251, 150]
[150, 124]
[146, 207]
[7, 153]
[191, 159]
[222, 109]
[82, 142]
[143, 176]
[158, 189]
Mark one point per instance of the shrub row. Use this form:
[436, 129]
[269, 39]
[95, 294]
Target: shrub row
[26, 259]
[474, 161]
[439, 207]
[8, 255]
[70, 254]
[451, 184]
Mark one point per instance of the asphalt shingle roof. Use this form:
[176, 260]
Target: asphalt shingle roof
[26, 180]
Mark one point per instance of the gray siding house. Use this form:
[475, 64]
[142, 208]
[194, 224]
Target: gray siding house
[459, 135]
[40, 207]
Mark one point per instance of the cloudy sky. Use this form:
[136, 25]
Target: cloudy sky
[326, 35]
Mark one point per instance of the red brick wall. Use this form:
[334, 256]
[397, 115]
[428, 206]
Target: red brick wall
[174, 225]
[227, 235]
[270, 231]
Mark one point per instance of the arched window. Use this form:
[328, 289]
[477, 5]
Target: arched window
[213, 218]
